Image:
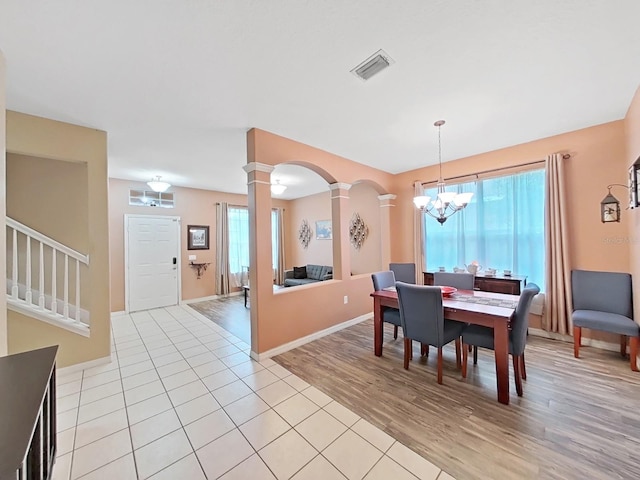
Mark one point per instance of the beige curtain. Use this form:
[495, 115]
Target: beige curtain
[557, 311]
[222, 249]
[280, 238]
[418, 236]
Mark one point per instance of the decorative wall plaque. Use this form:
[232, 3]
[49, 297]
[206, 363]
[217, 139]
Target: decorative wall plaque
[305, 233]
[358, 231]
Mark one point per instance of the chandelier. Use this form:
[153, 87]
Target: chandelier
[446, 203]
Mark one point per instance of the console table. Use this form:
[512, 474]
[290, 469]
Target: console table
[511, 285]
[28, 414]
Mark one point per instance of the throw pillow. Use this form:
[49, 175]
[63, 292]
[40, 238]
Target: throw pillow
[299, 272]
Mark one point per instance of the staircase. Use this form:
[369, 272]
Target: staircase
[44, 278]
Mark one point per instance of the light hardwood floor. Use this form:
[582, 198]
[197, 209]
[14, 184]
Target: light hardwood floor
[578, 418]
[229, 313]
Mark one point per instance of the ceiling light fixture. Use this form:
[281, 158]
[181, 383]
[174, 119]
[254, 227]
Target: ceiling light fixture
[277, 188]
[446, 203]
[157, 185]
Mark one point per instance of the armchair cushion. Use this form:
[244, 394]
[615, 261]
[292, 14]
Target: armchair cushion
[609, 322]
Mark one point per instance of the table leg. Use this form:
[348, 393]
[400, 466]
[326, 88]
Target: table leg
[377, 327]
[245, 297]
[501, 345]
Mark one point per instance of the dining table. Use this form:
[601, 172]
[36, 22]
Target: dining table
[494, 310]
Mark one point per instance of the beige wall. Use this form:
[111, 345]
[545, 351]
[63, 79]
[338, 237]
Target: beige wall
[3, 183]
[47, 139]
[194, 207]
[632, 240]
[363, 199]
[311, 208]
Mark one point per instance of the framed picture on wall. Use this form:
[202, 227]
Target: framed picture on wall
[198, 237]
[323, 230]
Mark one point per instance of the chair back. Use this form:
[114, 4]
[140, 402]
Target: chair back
[421, 312]
[382, 280]
[520, 322]
[461, 281]
[404, 272]
[602, 291]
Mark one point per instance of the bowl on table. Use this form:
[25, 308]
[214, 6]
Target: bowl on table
[448, 291]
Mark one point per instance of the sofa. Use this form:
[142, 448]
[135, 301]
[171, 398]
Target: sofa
[307, 274]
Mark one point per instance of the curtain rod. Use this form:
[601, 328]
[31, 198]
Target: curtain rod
[565, 156]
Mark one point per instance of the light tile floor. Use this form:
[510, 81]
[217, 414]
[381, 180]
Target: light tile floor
[183, 400]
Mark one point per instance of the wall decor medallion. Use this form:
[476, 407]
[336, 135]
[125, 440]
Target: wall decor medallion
[358, 231]
[305, 233]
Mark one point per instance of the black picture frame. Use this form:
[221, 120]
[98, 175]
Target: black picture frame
[198, 237]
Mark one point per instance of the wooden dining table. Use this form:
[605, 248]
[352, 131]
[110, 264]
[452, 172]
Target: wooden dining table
[496, 317]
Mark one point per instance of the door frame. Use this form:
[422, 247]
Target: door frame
[127, 216]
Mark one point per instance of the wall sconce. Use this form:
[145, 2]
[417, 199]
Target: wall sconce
[610, 206]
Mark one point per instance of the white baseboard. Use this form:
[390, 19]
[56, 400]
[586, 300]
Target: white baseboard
[119, 313]
[210, 297]
[259, 357]
[84, 365]
[586, 341]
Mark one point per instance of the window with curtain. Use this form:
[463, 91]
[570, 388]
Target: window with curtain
[239, 239]
[502, 227]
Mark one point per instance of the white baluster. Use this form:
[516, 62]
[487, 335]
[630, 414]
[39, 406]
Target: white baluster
[41, 277]
[77, 290]
[14, 274]
[54, 283]
[65, 310]
[28, 294]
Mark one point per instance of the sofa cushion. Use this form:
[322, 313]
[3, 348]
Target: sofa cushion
[294, 282]
[316, 272]
[299, 272]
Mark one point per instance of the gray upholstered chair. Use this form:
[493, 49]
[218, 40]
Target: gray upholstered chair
[461, 281]
[422, 318]
[479, 336]
[382, 280]
[603, 301]
[404, 272]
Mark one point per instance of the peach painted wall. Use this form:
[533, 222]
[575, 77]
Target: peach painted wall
[194, 207]
[598, 158]
[363, 199]
[632, 137]
[312, 208]
[291, 313]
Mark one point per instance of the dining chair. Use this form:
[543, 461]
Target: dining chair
[479, 336]
[603, 301]
[461, 281]
[404, 272]
[422, 319]
[382, 280]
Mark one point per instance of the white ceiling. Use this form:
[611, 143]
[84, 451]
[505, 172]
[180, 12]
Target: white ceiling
[177, 83]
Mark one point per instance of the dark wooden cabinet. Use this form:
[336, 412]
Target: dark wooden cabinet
[512, 285]
[28, 414]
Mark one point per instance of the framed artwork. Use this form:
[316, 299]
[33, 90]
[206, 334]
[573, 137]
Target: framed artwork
[198, 237]
[324, 230]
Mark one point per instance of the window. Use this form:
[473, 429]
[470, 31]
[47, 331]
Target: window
[148, 198]
[239, 238]
[502, 227]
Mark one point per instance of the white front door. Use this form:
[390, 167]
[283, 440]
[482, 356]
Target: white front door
[152, 256]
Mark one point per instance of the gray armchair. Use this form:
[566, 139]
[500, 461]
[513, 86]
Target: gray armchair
[479, 336]
[404, 272]
[382, 280]
[422, 317]
[461, 281]
[603, 301]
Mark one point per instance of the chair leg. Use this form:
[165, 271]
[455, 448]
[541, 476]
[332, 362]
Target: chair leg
[523, 367]
[475, 354]
[458, 362]
[424, 349]
[407, 351]
[395, 332]
[465, 356]
[516, 374]
[634, 353]
[577, 336]
[623, 345]
[440, 365]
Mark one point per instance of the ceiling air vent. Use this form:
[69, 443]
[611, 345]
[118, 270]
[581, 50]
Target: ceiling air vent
[373, 65]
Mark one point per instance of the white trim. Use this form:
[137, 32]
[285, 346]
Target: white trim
[586, 341]
[47, 316]
[388, 196]
[60, 372]
[258, 167]
[339, 186]
[259, 357]
[387, 205]
[119, 313]
[210, 297]
[262, 182]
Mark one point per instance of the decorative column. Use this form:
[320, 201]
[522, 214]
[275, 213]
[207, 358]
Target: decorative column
[260, 269]
[340, 219]
[386, 204]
